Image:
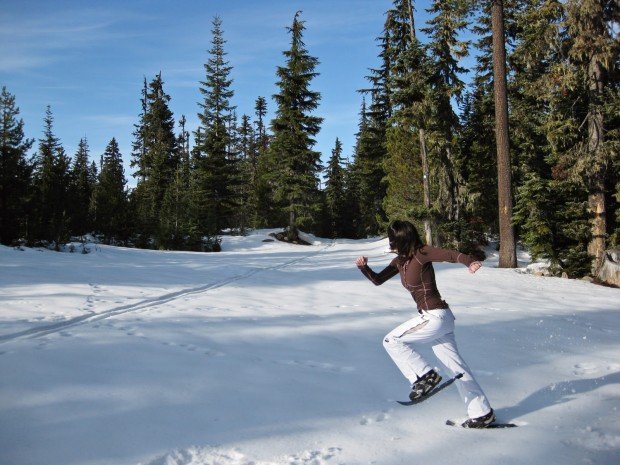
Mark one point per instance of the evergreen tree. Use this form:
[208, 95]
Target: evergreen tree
[248, 156]
[50, 201]
[335, 193]
[156, 157]
[297, 165]
[217, 165]
[447, 50]
[371, 145]
[267, 213]
[81, 190]
[110, 197]
[594, 60]
[15, 171]
[176, 219]
[410, 84]
[138, 154]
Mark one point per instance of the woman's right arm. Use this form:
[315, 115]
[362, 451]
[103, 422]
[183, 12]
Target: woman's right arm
[376, 278]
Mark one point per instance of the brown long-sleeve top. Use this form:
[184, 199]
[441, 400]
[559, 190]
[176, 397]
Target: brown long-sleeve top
[417, 274]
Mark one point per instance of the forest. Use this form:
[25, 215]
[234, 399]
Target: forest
[526, 151]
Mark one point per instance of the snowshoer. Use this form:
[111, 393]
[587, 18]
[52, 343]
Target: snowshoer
[434, 323]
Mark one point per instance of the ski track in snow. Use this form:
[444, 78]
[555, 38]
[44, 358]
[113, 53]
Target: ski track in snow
[146, 304]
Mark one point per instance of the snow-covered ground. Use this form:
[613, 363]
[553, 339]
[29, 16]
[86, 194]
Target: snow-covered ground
[270, 354]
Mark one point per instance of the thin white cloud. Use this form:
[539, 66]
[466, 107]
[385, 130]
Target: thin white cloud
[113, 120]
[31, 42]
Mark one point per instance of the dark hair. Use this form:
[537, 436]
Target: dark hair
[404, 238]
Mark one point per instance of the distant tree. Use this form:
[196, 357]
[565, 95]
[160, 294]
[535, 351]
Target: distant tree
[50, 202]
[15, 171]
[267, 212]
[297, 165]
[335, 193]
[176, 218]
[371, 145]
[81, 190]
[156, 158]
[110, 196]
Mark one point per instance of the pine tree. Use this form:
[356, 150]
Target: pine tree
[267, 212]
[410, 84]
[81, 190]
[335, 193]
[248, 156]
[15, 171]
[297, 165]
[447, 50]
[110, 197]
[217, 165]
[50, 202]
[538, 203]
[156, 157]
[176, 220]
[594, 58]
[371, 145]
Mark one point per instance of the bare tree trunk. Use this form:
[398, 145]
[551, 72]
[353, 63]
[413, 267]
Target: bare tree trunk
[596, 195]
[428, 232]
[507, 245]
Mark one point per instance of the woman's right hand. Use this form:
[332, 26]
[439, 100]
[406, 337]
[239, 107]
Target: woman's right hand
[361, 261]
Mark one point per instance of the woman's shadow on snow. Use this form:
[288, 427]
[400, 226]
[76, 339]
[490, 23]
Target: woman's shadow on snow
[557, 393]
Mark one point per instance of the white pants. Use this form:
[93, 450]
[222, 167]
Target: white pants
[435, 327]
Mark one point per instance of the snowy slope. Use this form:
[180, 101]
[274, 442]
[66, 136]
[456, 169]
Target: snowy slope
[270, 354]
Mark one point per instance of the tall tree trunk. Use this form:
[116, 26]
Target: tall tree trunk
[428, 230]
[507, 245]
[596, 195]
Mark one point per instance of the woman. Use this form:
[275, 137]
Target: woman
[434, 323]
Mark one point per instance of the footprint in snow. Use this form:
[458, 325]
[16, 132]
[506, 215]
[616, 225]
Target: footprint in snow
[366, 420]
[219, 456]
[586, 368]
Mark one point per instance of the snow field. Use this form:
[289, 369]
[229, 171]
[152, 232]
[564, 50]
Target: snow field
[270, 354]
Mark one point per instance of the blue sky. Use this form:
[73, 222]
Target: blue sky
[87, 60]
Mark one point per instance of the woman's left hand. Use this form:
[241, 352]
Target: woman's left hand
[475, 266]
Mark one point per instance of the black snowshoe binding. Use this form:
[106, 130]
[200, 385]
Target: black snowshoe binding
[480, 422]
[424, 385]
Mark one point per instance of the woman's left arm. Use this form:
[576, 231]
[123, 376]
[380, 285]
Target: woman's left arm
[435, 254]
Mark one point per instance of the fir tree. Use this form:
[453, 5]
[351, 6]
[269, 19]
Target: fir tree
[15, 171]
[263, 190]
[335, 193]
[371, 146]
[110, 197]
[412, 108]
[176, 218]
[297, 165]
[81, 190]
[446, 50]
[594, 60]
[157, 161]
[216, 163]
[50, 202]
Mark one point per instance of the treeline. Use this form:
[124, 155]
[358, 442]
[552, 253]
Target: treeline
[425, 147]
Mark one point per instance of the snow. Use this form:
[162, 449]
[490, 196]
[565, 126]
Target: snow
[270, 354]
